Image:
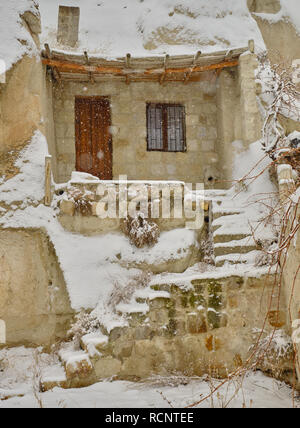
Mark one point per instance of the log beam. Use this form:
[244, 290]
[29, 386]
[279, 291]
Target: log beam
[70, 67]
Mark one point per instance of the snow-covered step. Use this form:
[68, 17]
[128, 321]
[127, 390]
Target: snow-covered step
[241, 246]
[231, 259]
[76, 363]
[225, 212]
[52, 377]
[226, 237]
[132, 308]
[149, 294]
[234, 259]
[236, 224]
[94, 344]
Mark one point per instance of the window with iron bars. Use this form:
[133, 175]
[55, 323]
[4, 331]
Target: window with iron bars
[166, 128]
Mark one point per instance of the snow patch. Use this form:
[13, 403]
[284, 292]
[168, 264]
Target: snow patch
[16, 41]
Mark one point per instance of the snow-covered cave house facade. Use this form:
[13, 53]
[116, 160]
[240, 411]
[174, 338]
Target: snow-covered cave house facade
[159, 117]
[149, 118]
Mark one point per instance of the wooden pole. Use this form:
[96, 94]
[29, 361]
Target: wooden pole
[251, 46]
[196, 57]
[163, 76]
[55, 72]
[189, 73]
[47, 50]
[229, 55]
[87, 61]
[128, 60]
[48, 175]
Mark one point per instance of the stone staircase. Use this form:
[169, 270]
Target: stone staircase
[96, 359]
[178, 324]
[232, 236]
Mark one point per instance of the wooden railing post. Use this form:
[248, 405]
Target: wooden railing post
[48, 174]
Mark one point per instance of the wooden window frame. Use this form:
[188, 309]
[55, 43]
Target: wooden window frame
[165, 107]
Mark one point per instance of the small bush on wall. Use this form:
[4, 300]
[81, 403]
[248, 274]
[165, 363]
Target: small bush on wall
[140, 230]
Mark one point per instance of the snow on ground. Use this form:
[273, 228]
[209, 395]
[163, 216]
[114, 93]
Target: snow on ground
[15, 39]
[27, 186]
[20, 370]
[114, 27]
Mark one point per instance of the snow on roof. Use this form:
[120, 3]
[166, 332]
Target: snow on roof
[15, 40]
[112, 28]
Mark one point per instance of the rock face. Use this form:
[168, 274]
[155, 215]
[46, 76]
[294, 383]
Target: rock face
[20, 103]
[264, 6]
[34, 302]
[281, 38]
[33, 22]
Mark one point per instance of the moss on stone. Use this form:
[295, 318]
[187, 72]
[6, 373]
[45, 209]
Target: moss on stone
[214, 287]
[193, 300]
[215, 301]
[170, 304]
[214, 319]
[184, 300]
[172, 327]
[161, 287]
[198, 285]
[172, 313]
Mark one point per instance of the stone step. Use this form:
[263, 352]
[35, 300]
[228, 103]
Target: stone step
[231, 259]
[223, 251]
[94, 344]
[238, 258]
[53, 377]
[225, 213]
[223, 238]
[242, 246]
[132, 308]
[78, 367]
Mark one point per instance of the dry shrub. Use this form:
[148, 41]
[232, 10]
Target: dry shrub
[275, 355]
[124, 293]
[82, 200]
[140, 230]
[85, 323]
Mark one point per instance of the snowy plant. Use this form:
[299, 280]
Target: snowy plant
[123, 293]
[82, 200]
[85, 323]
[279, 97]
[267, 257]
[141, 231]
[275, 354]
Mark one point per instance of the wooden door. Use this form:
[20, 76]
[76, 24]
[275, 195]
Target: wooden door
[93, 136]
